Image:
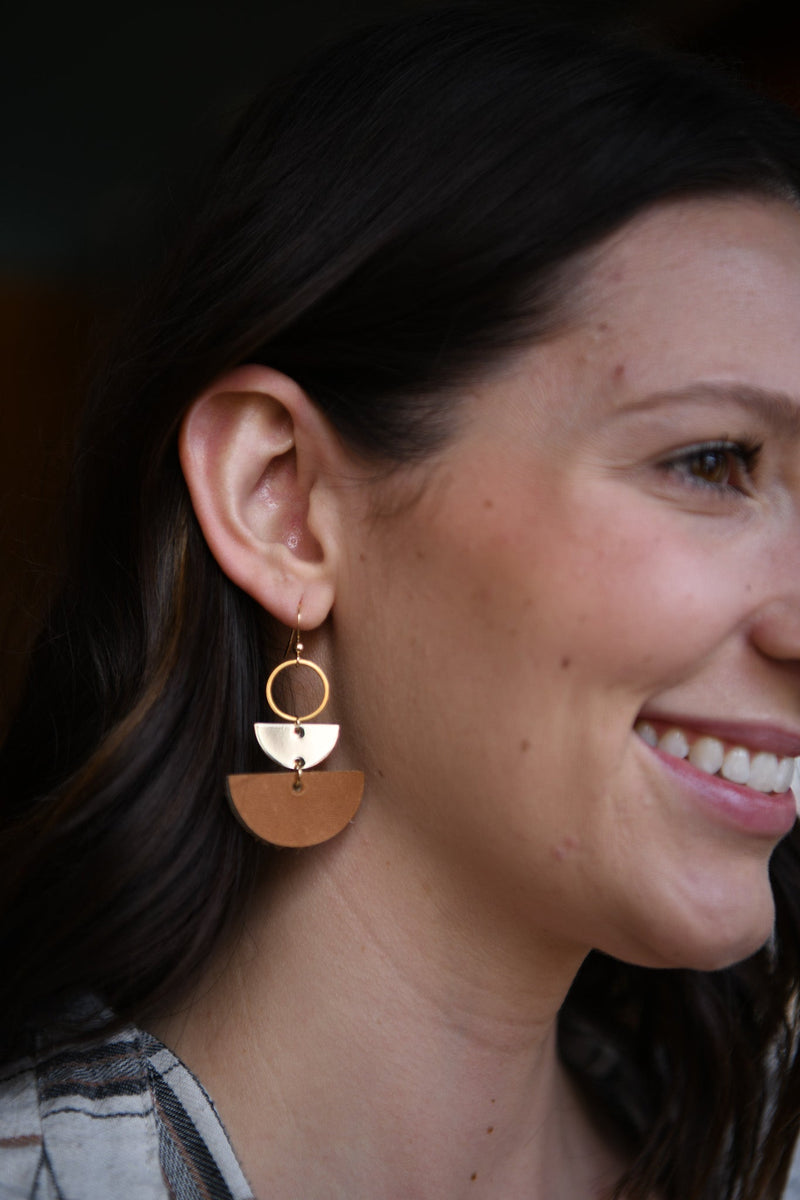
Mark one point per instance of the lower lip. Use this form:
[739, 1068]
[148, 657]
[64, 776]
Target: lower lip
[733, 804]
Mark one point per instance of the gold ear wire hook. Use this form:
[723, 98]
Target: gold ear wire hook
[298, 645]
[294, 636]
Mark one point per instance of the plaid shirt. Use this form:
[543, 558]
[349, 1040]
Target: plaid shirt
[119, 1119]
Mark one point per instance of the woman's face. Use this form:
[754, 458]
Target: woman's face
[612, 538]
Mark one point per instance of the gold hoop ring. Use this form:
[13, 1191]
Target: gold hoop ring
[297, 662]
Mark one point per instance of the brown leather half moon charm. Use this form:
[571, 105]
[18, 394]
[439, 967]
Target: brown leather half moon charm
[271, 809]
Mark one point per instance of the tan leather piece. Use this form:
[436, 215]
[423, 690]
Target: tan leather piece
[268, 806]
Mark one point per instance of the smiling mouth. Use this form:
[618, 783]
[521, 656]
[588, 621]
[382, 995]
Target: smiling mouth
[757, 769]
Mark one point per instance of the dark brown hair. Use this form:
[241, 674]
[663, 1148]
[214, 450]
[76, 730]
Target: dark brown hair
[396, 215]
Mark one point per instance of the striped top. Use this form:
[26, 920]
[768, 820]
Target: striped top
[118, 1119]
[121, 1119]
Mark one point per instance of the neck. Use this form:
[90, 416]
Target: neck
[359, 1040]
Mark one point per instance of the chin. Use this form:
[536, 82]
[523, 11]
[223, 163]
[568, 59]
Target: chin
[713, 935]
[719, 956]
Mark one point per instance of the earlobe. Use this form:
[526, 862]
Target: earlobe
[253, 451]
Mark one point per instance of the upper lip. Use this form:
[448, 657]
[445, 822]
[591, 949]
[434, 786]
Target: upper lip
[753, 735]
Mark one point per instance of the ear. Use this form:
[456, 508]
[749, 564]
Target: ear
[257, 458]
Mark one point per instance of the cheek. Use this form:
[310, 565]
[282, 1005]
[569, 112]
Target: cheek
[630, 593]
[548, 609]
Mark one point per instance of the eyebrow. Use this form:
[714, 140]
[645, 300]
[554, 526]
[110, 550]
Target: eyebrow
[779, 411]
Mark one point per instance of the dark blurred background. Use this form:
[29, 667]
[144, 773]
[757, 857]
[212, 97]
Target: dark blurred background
[107, 109]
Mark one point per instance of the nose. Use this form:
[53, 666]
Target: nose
[776, 629]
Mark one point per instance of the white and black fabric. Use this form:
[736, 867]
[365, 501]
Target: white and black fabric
[119, 1119]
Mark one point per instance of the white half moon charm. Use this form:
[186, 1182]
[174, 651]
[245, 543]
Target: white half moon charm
[285, 744]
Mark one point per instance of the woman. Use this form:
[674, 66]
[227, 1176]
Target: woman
[475, 374]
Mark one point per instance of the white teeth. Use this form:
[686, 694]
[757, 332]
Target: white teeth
[707, 754]
[760, 770]
[647, 733]
[736, 765]
[784, 774]
[674, 742]
[763, 772]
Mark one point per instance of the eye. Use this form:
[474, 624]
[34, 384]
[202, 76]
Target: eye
[711, 466]
[721, 466]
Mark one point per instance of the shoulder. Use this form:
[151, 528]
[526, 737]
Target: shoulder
[119, 1116]
[79, 1121]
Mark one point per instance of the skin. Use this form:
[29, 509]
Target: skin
[500, 617]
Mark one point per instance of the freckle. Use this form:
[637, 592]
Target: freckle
[492, 1101]
[524, 745]
[490, 1129]
[565, 662]
[380, 772]
[362, 558]
[474, 1176]
[619, 370]
[420, 554]
[488, 503]
[603, 326]
[565, 847]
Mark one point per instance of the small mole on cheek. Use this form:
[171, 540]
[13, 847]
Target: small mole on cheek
[473, 1176]
[488, 503]
[565, 662]
[362, 558]
[565, 847]
[524, 745]
[603, 326]
[619, 370]
[420, 554]
[490, 1129]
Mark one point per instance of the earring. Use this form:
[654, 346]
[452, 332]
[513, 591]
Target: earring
[301, 808]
